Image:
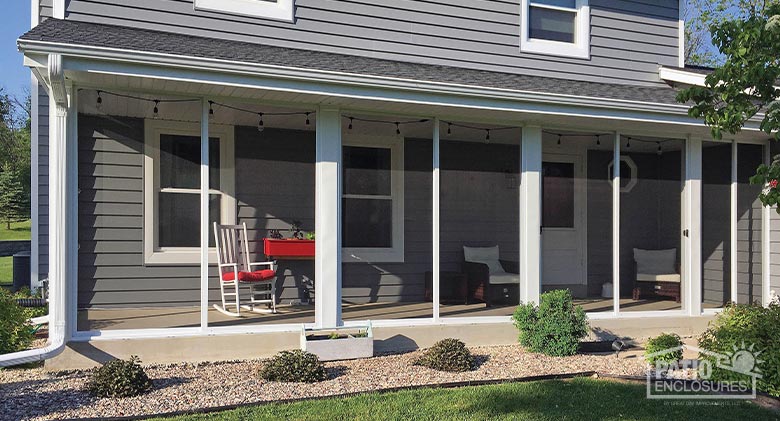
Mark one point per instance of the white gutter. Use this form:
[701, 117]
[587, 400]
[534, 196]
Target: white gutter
[681, 76]
[60, 206]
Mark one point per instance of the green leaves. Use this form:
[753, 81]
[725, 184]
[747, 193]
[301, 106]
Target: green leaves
[15, 333]
[119, 379]
[553, 328]
[447, 355]
[295, 366]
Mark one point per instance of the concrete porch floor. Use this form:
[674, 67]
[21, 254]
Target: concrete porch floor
[171, 317]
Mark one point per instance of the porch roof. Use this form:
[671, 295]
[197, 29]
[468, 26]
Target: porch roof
[73, 33]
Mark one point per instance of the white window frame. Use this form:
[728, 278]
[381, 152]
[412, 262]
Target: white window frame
[580, 48]
[394, 254]
[153, 129]
[279, 10]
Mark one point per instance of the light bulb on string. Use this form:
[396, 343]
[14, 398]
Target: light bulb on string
[449, 129]
[350, 122]
[211, 110]
[99, 103]
[598, 140]
[628, 143]
[487, 135]
[660, 149]
[261, 123]
[308, 122]
[397, 128]
[156, 108]
[559, 139]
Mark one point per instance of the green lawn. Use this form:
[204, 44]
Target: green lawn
[18, 231]
[6, 270]
[579, 399]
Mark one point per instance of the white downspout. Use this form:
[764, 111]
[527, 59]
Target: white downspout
[61, 203]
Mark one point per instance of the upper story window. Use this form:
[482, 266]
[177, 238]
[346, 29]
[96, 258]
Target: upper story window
[272, 9]
[557, 27]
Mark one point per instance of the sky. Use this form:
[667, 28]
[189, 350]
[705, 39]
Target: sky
[15, 21]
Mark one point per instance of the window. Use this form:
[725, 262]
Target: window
[272, 9]
[172, 189]
[557, 27]
[372, 201]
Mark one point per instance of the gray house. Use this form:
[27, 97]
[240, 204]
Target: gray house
[422, 165]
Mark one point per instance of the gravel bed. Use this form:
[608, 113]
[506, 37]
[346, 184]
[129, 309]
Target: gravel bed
[35, 394]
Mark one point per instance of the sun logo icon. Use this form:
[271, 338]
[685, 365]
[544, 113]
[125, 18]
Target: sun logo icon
[743, 359]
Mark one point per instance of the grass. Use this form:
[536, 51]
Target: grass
[579, 399]
[18, 231]
[6, 270]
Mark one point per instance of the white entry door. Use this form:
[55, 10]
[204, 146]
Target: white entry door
[563, 220]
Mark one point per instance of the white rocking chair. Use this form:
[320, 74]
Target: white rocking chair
[235, 269]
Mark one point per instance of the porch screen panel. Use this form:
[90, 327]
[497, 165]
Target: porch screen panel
[577, 217]
[652, 181]
[387, 253]
[480, 220]
[716, 224]
[749, 270]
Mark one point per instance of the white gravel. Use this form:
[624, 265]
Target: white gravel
[34, 394]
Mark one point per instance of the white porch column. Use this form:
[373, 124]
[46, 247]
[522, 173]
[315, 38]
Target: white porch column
[436, 235]
[766, 255]
[204, 214]
[734, 219]
[692, 290]
[327, 216]
[616, 183]
[63, 218]
[530, 214]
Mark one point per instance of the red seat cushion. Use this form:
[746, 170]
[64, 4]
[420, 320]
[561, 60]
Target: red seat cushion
[257, 276]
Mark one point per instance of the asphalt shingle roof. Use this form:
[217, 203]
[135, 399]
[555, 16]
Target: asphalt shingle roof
[142, 40]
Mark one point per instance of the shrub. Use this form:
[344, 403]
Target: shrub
[15, 333]
[447, 355]
[553, 328]
[663, 342]
[294, 367]
[119, 379]
[741, 326]
[31, 312]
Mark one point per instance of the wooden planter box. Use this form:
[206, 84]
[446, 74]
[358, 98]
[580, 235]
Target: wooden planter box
[346, 348]
[281, 249]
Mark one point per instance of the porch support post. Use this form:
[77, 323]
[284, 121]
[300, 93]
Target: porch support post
[327, 216]
[734, 219]
[616, 224]
[204, 215]
[62, 204]
[530, 214]
[72, 202]
[693, 225]
[435, 217]
[766, 256]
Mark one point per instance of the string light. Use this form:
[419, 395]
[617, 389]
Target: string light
[660, 150]
[211, 108]
[628, 143]
[398, 127]
[156, 108]
[99, 101]
[449, 129]
[308, 122]
[351, 120]
[487, 135]
[559, 138]
[261, 123]
[598, 140]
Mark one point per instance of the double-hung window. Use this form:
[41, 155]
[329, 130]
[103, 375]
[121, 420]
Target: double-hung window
[372, 201]
[172, 189]
[557, 27]
[271, 9]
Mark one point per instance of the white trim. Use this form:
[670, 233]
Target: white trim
[734, 221]
[436, 234]
[154, 255]
[35, 12]
[530, 214]
[59, 9]
[766, 252]
[616, 190]
[278, 9]
[395, 253]
[205, 193]
[580, 48]
[681, 33]
[692, 294]
[634, 173]
[681, 76]
[327, 219]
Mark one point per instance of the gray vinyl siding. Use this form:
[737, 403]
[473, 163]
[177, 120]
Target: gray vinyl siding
[629, 38]
[716, 224]
[43, 183]
[749, 267]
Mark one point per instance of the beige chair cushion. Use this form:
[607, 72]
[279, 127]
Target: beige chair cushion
[504, 279]
[486, 255]
[648, 277]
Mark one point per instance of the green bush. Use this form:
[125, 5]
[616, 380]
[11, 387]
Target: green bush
[447, 355]
[553, 328]
[741, 326]
[663, 342]
[119, 379]
[31, 312]
[15, 333]
[294, 367]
